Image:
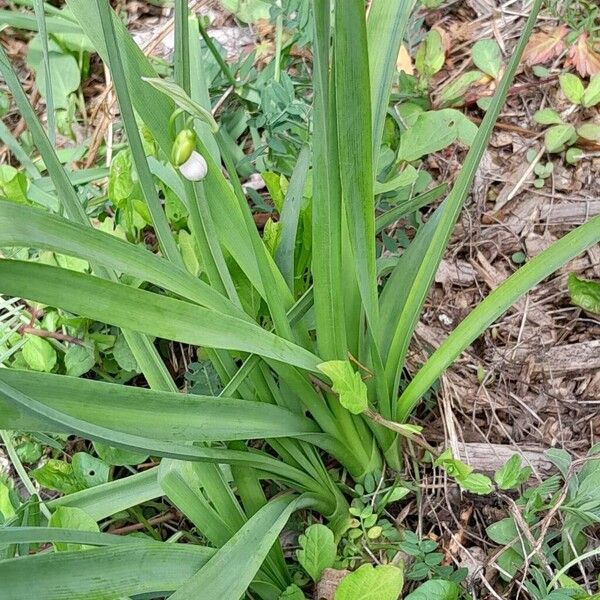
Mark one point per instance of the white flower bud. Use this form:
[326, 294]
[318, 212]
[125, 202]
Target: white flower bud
[195, 167]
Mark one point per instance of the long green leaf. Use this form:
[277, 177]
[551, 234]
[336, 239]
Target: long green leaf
[353, 110]
[284, 256]
[56, 419]
[23, 226]
[38, 6]
[386, 26]
[438, 229]
[109, 498]
[496, 303]
[146, 312]
[146, 413]
[326, 204]
[112, 572]
[149, 192]
[232, 568]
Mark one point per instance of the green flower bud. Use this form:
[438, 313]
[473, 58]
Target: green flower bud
[184, 145]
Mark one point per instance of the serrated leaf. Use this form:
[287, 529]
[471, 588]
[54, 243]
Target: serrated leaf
[79, 359]
[572, 87]
[347, 383]
[547, 116]
[583, 56]
[39, 354]
[584, 293]
[182, 100]
[591, 96]
[557, 136]
[383, 582]
[57, 475]
[545, 45]
[317, 550]
[487, 57]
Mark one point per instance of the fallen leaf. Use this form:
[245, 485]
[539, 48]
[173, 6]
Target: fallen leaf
[583, 57]
[545, 45]
[404, 62]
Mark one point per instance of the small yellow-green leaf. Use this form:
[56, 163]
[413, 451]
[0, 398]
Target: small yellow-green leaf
[39, 354]
[488, 57]
[556, 137]
[591, 96]
[371, 583]
[347, 383]
[572, 87]
[430, 55]
[66, 517]
[547, 116]
[585, 293]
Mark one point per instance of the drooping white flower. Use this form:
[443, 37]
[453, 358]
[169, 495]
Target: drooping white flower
[195, 167]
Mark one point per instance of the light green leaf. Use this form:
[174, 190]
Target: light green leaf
[503, 532]
[476, 483]
[71, 518]
[6, 508]
[39, 354]
[430, 55]
[57, 475]
[123, 355]
[453, 93]
[585, 293]
[589, 131]
[89, 470]
[558, 136]
[433, 131]
[547, 116]
[317, 550]
[118, 457]
[120, 179]
[182, 100]
[572, 87]
[511, 474]
[383, 582]
[488, 57]
[65, 74]
[292, 592]
[248, 11]
[591, 96]
[347, 383]
[13, 184]
[79, 359]
[436, 589]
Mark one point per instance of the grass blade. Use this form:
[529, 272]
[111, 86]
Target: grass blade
[326, 205]
[386, 26]
[353, 108]
[434, 235]
[284, 256]
[495, 304]
[38, 6]
[119, 305]
[159, 219]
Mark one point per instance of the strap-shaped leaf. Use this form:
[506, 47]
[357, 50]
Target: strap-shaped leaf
[146, 312]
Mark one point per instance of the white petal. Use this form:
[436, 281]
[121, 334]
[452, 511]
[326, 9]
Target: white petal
[195, 167]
